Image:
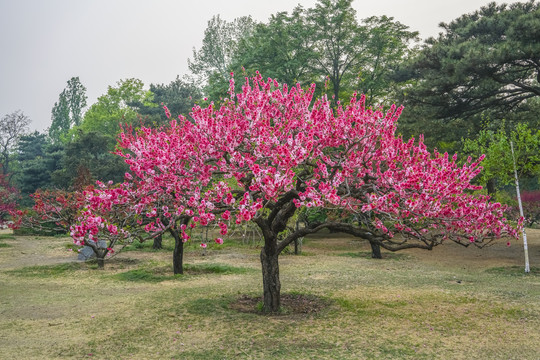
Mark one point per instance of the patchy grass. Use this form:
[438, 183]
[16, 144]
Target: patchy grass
[514, 271]
[159, 274]
[7, 237]
[367, 255]
[451, 303]
[45, 271]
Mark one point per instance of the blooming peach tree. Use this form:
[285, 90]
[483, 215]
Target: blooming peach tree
[270, 150]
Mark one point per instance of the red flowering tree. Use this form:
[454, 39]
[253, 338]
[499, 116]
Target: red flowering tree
[53, 211]
[8, 198]
[170, 189]
[59, 211]
[269, 151]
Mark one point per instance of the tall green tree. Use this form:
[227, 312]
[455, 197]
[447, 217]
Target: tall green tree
[281, 49]
[118, 105]
[89, 156]
[388, 44]
[179, 96]
[37, 160]
[212, 63]
[338, 41]
[485, 62]
[12, 127]
[67, 112]
[498, 164]
[76, 95]
[61, 121]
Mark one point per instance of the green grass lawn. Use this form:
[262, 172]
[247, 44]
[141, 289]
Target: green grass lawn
[410, 305]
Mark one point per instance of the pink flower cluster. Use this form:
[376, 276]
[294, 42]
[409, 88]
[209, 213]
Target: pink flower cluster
[269, 145]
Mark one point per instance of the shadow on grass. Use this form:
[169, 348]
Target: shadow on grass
[292, 304]
[43, 271]
[159, 274]
[48, 270]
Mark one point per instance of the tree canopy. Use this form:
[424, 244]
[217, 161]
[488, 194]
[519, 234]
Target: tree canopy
[269, 151]
[485, 62]
[68, 111]
[12, 127]
[118, 105]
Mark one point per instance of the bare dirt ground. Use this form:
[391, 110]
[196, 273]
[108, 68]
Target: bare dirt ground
[450, 254]
[30, 250]
[497, 254]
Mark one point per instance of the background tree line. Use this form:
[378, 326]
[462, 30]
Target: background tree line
[474, 84]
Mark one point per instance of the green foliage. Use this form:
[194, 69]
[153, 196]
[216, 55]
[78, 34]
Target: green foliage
[37, 159]
[485, 62]
[211, 64]
[46, 271]
[281, 49]
[118, 105]
[338, 41]
[160, 274]
[179, 96]
[388, 45]
[325, 45]
[67, 112]
[61, 122]
[88, 158]
[498, 163]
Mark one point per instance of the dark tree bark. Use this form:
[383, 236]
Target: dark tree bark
[100, 253]
[298, 246]
[375, 250]
[271, 283]
[271, 226]
[101, 262]
[178, 252]
[491, 187]
[158, 242]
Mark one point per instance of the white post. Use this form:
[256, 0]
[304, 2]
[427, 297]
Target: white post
[525, 249]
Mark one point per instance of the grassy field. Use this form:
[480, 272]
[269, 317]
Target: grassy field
[450, 303]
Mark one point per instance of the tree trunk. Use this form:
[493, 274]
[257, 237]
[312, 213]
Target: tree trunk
[375, 250]
[271, 284]
[491, 189]
[178, 253]
[158, 243]
[297, 246]
[100, 257]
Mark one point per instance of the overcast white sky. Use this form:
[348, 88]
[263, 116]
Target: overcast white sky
[43, 43]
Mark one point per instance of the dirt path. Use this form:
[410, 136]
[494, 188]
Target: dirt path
[24, 251]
